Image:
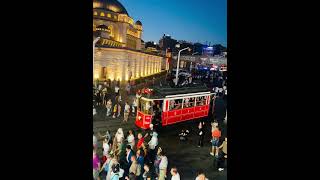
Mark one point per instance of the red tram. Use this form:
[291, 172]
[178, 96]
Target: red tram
[174, 105]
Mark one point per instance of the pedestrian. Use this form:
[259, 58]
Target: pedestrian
[201, 134]
[107, 136]
[145, 153]
[96, 165]
[126, 112]
[201, 176]
[118, 98]
[115, 174]
[128, 162]
[111, 163]
[183, 135]
[115, 108]
[104, 96]
[131, 177]
[163, 166]
[128, 89]
[106, 147]
[138, 94]
[116, 90]
[216, 134]
[153, 143]
[140, 160]
[105, 166]
[140, 140]
[118, 139]
[94, 111]
[174, 173]
[134, 106]
[109, 106]
[98, 98]
[222, 154]
[119, 110]
[225, 92]
[130, 139]
[147, 175]
[135, 167]
[95, 141]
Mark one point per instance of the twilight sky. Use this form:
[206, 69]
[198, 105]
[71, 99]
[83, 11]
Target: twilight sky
[190, 20]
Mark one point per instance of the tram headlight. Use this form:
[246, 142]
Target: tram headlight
[139, 117]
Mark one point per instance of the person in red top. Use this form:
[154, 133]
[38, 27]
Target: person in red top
[140, 140]
[216, 134]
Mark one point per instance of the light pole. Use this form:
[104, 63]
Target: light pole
[94, 45]
[191, 61]
[176, 83]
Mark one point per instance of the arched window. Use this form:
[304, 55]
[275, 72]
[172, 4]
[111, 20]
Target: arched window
[95, 13]
[102, 14]
[109, 15]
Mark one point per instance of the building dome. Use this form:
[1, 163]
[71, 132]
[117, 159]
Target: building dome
[110, 5]
[138, 23]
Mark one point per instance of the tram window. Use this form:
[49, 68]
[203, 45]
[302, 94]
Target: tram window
[175, 104]
[188, 102]
[200, 101]
[146, 107]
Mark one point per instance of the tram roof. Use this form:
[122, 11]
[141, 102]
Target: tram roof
[162, 92]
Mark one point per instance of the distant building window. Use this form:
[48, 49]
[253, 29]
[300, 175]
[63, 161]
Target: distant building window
[115, 17]
[109, 15]
[102, 14]
[95, 13]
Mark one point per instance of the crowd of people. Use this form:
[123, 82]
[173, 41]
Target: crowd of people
[131, 157]
[108, 96]
[138, 155]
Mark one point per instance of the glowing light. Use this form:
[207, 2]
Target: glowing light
[96, 76]
[113, 8]
[96, 5]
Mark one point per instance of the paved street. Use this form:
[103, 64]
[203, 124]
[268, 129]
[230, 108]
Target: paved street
[186, 156]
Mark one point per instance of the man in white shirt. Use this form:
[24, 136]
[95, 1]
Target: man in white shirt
[126, 112]
[163, 166]
[175, 174]
[152, 145]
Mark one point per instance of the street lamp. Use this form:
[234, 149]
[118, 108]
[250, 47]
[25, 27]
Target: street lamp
[191, 61]
[94, 44]
[176, 83]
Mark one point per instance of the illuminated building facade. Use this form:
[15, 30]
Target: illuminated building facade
[119, 54]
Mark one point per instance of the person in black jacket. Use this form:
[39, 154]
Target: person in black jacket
[200, 134]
